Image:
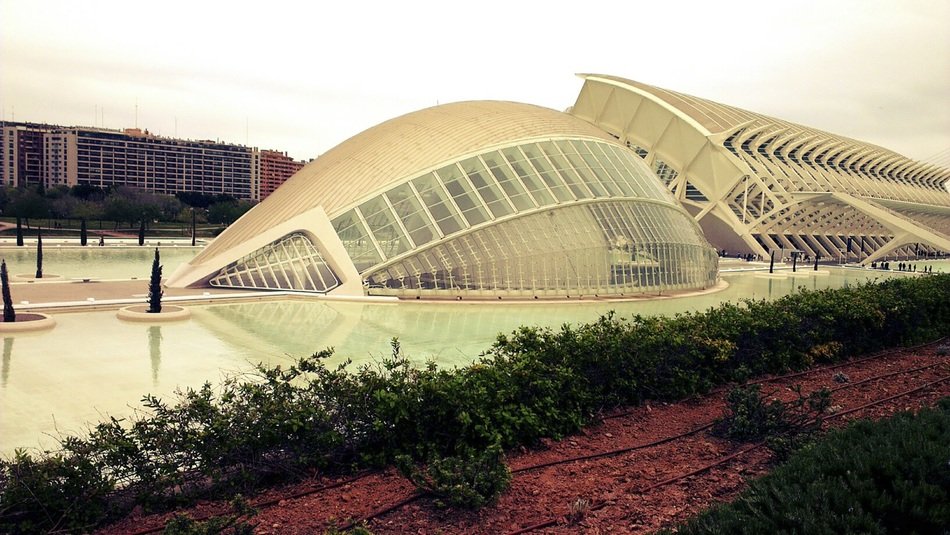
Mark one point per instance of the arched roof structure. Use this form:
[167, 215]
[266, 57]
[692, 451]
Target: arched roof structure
[760, 184]
[474, 198]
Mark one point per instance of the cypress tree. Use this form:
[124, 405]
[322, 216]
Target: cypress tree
[82, 232]
[19, 231]
[193, 227]
[39, 254]
[142, 233]
[155, 286]
[9, 315]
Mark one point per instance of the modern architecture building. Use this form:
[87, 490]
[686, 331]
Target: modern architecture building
[759, 185]
[55, 155]
[472, 199]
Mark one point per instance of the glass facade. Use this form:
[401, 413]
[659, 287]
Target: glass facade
[604, 248]
[556, 217]
[291, 263]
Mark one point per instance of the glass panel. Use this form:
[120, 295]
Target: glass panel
[413, 216]
[602, 248]
[290, 263]
[634, 171]
[595, 165]
[435, 199]
[544, 168]
[528, 177]
[566, 170]
[582, 169]
[486, 187]
[382, 225]
[617, 174]
[508, 182]
[356, 240]
[463, 195]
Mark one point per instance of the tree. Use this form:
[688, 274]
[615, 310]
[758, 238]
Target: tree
[142, 232]
[9, 315]
[193, 229]
[227, 212]
[119, 209]
[155, 286]
[19, 231]
[87, 192]
[82, 232]
[88, 210]
[39, 255]
[27, 203]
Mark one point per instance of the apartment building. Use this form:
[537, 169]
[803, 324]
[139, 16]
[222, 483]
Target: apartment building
[100, 157]
[276, 168]
[22, 152]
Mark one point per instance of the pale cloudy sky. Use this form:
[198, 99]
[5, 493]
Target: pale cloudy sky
[304, 76]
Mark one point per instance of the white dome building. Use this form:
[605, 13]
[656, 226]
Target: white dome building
[475, 199]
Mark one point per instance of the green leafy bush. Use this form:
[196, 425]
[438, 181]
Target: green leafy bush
[890, 476]
[750, 416]
[470, 480]
[785, 426]
[233, 524]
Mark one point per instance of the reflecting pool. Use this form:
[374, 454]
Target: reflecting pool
[112, 262]
[92, 365]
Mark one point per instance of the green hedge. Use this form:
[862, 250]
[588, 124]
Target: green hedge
[891, 476]
[530, 384]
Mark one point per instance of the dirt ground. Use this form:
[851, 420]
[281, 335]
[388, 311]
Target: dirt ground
[630, 486]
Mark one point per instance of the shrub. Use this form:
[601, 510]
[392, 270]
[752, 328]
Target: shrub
[750, 417]
[890, 476]
[234, 524]
[62, 492]
[470, 480]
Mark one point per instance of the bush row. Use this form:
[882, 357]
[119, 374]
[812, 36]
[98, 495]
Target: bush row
[890, 476]
[530, 384]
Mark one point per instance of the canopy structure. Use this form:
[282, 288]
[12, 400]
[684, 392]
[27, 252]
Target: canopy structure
[757, 184]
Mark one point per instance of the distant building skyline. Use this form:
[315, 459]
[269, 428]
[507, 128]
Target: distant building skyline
[50, 154]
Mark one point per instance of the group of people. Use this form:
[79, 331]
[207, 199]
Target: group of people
[747, 257]
[902, 266]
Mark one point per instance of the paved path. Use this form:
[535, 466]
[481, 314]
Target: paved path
[78, 295]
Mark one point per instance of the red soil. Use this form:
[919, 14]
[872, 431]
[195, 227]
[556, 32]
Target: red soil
[619, 493]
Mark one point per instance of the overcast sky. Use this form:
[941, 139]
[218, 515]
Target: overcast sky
[304, 76]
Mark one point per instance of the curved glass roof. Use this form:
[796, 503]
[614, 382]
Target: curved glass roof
[398, 149]
[494, 185]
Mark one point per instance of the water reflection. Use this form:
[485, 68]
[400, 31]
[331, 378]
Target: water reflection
[155, 351]
[96, 262]
[7, 353]
[451, 333]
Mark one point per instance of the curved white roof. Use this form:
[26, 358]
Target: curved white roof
[397, 149]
